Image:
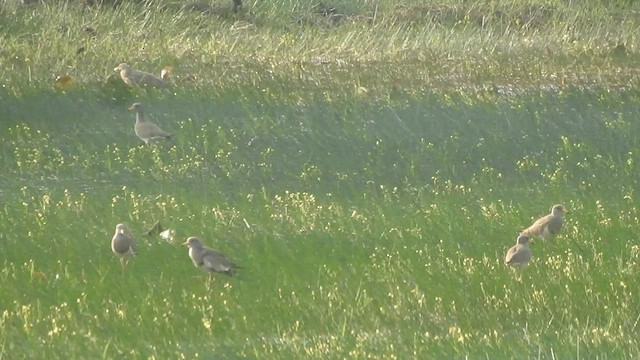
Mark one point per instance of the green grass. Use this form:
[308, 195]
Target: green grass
[368, 168]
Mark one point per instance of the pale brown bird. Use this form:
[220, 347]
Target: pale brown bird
[139, 78]
[145, 130]
[208, 259]
[519, 255]
[122, 244]
[547, 227]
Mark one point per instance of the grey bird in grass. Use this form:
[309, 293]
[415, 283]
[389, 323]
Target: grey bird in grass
[122, 244]
[145, 130]
[208, 259]
[547, 227]
[139, 78]
[519, 255]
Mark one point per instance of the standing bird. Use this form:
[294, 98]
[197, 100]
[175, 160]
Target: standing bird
[547, 227]
[122, 244]
[139, 78]
[519, 254]
[145, 130]
[208, 259]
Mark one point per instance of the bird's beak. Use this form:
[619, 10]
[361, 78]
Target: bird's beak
[116, 68]
[131, 108]
[186, 243]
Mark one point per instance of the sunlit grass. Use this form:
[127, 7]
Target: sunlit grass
[386, 241]
[298, 46]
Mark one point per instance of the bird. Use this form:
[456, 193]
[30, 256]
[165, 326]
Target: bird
[548, 226]
[519, 254]
[208, 259]
[139, 78]
[122, 244]
[145, 130]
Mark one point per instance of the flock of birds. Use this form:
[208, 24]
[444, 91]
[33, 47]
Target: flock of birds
[122, 243]
[212, 261]
[205, 258]
[518, 256]
[145, 130]
[545, 228]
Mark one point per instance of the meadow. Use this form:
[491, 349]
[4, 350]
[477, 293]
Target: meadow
[366, 163]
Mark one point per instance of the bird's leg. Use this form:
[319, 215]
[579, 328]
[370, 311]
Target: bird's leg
[519, 274]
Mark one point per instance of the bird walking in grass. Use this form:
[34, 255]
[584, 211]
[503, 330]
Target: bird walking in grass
[145, 130]
[122, 244]
[139, 78]
[208, 259]
[519, 255]
[547, 227]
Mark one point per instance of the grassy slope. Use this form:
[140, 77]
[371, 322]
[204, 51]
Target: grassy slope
[368, 175]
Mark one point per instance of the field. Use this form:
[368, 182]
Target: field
[366, 163]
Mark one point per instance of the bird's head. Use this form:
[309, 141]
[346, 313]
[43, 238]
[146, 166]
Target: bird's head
[137, 107]
[192, 242]
[558, 210]
[523, 239]
[122, 67]
[121, 228]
